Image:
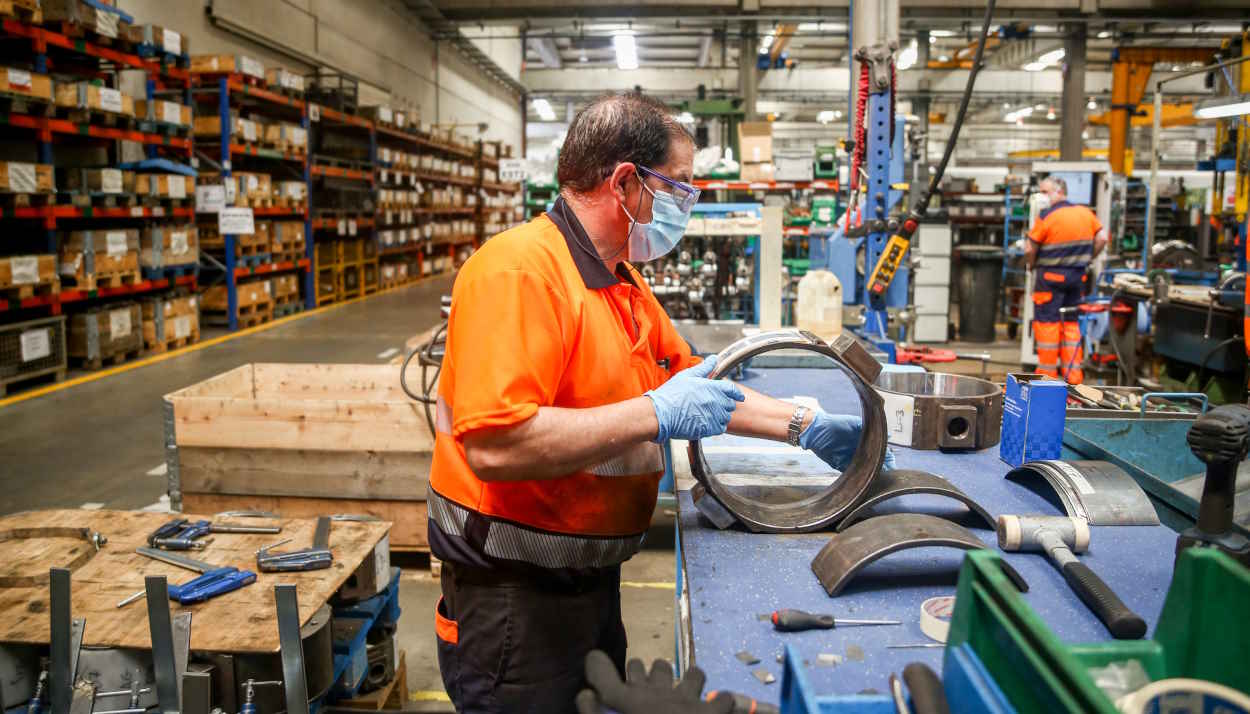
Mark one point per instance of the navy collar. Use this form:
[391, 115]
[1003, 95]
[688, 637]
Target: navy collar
[1052, 209]
[585, 257]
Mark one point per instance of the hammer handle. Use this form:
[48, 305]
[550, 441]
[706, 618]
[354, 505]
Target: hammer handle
[1121, 622]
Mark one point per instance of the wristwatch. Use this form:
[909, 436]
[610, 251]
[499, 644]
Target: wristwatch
[796, 425]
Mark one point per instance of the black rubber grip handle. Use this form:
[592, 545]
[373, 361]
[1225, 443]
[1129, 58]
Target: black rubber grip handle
[1121, 622]
[927, 694]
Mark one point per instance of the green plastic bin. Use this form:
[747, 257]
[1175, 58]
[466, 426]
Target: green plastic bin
[1201, 634]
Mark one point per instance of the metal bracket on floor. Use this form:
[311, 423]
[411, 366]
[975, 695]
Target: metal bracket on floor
[1099, 492]
[906, 482]
[850, 551]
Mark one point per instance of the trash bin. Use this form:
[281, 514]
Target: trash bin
[980, 282]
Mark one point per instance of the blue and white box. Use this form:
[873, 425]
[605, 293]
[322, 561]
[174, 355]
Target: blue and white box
[1034, 407]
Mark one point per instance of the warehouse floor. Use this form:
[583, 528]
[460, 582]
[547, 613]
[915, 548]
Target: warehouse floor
[99, 445]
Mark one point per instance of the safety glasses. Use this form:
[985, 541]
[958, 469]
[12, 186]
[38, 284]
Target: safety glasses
[684, 195]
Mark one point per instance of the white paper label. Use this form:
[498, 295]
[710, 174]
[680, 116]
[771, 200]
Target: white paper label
[290, 80]
[247, 65]
[231, 189]
[116, 241]
[110, 100]
[24, 269]
[299, 136]
[267, 290]
[178, 242]
[18, 79]
[106, 23]
[110, 180]
[36, 344]
[22, 178]
[177, 186]
[247, 127]
[400, 120]
[182, 326]
[191, 302]
[314, 112]
[119, 323]
[511, 170]
[171, 42]
[900, 413]
[171, 113]
[384, 114]
[209, 199]
[342, 227]
[351, 228]
[384, 176]
[235, 221]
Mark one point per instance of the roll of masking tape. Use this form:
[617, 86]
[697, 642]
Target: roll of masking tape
[935, 617]
[1184, 696]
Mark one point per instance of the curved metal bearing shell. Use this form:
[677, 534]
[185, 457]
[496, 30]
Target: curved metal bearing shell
[906, 482]
[1098, 491]
[949, 411]
[852, 550]
[825, 509]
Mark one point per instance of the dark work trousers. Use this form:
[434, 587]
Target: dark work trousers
[514, 644]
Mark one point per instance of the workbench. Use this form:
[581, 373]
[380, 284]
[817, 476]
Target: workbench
[243, 621]
[732, 577]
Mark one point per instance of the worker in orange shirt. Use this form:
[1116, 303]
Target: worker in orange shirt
[562, 378]
[1064, 241]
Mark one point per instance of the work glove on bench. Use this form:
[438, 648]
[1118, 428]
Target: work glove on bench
[691, 406]
[641, 693]
[835, 437]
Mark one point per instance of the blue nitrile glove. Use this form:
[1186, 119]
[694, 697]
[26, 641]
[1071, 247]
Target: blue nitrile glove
[834, 438]
[691, 406]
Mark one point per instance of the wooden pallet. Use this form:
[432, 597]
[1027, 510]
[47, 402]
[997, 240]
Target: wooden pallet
[10, 201]
[25, 292]
[18, 103]
[83, 199]
[98, 280]
[290, 203]
[95, 117]
[257, 313]
[174, 343]
[57, 376]
[107, 360]
[393, 696]
[121, 43]
[289, 256]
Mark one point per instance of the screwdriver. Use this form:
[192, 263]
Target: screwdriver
[746, 705]
[798, 620]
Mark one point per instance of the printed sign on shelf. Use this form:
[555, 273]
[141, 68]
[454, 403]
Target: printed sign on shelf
[235, 221]
[24, 269]
[172, 42]
[110, 100]
[511, 170]
[210, 199]
[36, 344]
[18, 79]
[110, 180]
[119, 323]
[116, 242]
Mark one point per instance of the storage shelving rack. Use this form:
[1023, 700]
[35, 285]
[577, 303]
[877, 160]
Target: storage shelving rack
[436, 248]
[342, 229]
[35, 226]
[497, 214]
[538, 195]
[1015, 225]
[224, 94]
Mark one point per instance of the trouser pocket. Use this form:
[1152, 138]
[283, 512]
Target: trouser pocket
[447, 634]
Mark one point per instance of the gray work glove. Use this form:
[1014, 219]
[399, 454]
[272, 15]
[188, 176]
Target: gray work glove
[645, 694]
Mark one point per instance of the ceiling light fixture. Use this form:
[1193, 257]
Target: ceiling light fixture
[1034, 67]
[1092, 105]
[1050, 114]
[907, 58]
[1052, 57]
[685, 118]
[1104, 34]
[944, 58]
[837, 113]
[626, 50]
[543, 107]
[1230, 106]
[825, 116]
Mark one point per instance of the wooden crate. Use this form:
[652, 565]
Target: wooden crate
[17, 177]
[106, 335]
[167, 246]
[253, 305]
[170, 323]
[18, 82]
[23, 276]
[98, 259]
[305, 439]
[32, 349]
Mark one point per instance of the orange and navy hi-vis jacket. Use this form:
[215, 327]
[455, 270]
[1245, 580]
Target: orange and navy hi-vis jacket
[1064, 234]
[538, 321]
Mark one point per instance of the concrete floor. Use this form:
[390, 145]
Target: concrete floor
[99, 444]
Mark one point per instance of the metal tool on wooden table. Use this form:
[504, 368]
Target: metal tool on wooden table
[940, 411]
[1220, 439]
[183, 534]
[214, 580]
[316, 557]
[1059, 537]
[1097, 492]
[798, 621]
[813, 511]
[850, 551]
[907, 482]
[171, 646]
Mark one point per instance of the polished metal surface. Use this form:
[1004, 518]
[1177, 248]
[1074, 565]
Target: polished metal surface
[63, 650]
[116, 669]
[849, 552]
[906, 482]
[294, 686]
[817, 510]
[950, 411]
[318, 666]
[1098, 491]
[321, 536]
[162, 633]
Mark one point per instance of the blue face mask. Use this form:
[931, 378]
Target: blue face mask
[648, 241]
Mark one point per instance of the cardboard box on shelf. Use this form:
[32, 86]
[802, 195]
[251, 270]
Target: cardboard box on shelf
[164, 246]
[755, 142]
[98, 180]
[163, 111]
[227, 64]
[162, 38]
[27, 84]
[282, 78]
[84, 95]
[793, 165]
[165, 185]
[756, 172]
[19, 177]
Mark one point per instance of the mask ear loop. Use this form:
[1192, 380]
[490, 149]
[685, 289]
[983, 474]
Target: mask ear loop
[632, 221]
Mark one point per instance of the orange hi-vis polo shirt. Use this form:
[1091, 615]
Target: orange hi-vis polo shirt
[1064, 234]
[537, 320]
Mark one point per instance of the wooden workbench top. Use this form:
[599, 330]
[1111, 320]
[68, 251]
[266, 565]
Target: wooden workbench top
[240, 621]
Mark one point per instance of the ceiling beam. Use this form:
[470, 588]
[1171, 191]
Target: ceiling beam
[705, 51]
[547, 51]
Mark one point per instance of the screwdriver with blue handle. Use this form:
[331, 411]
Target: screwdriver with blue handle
[213, 581]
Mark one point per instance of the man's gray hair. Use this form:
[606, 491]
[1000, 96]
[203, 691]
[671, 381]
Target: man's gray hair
[614, 129]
